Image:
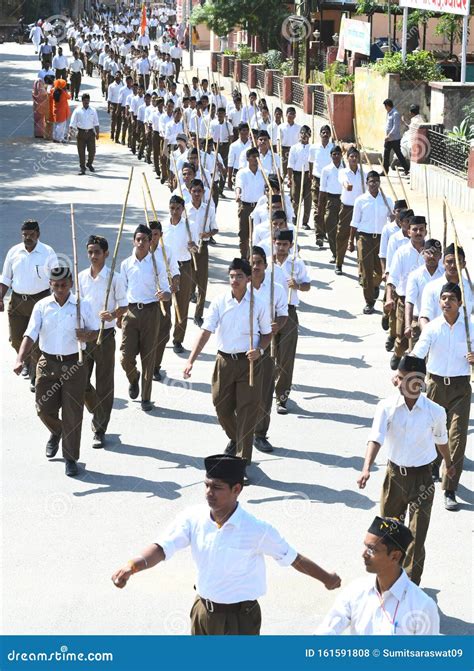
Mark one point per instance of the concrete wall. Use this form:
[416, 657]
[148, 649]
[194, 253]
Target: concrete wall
[441, 184]
[448, 101]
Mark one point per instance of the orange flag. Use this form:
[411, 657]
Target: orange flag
[143, 21]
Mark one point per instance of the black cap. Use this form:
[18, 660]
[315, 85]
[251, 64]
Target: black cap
[432, 244]
[264, 133]
[276, 198]
[412, 364]
[60, 273]
[390, 529]
[285, 235]
[450, 250]
[419, 219]
[400, 204]
[225, 467]
[405, 214]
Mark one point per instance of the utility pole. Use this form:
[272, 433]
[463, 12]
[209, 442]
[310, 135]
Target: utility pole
[191, 60]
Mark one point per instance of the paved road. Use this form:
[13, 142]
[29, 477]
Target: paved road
[63, 538]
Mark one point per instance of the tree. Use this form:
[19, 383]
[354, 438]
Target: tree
[450, 27]
[261, 19]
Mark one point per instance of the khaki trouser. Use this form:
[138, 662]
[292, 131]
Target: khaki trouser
[285, 348]
[244, 211]
[125, 124]
[115, 121]
[156, 146]
[401, 341]
[413, 491]
[138, 137]
[85, 140]
[76, 78]
[200, 278]
[267, 365]
[235, 401]
[368, 249]
[245, 620]
[163, 335]
[19, 313]
[100, 399]
[318, 217]
[183, 298]
[61, 385]
[343, 232]
[331, 218]
[285, 151]
[295, 195]
[455, 398]
[140, 328]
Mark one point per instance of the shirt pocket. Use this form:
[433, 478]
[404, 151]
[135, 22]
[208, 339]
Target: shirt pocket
[236, 561]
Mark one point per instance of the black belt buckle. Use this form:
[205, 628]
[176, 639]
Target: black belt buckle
[209, 605]
[234, 357]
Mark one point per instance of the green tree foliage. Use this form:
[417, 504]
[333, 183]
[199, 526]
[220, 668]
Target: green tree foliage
[419, 66]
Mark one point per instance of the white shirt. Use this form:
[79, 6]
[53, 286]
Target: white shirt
[250, 115]
[370, 214]
[359, 607]
[125, 91]
[230, 320]
[298, 158]
[230, 560]
[85, 119]
[270, 162]
[177, 237]
[76, 65]
[59, 62]
[280, 297]
[93, 289]
[197, 217]
[416, 282]
[288, 135]
[300, 274]
[113, 92]
[330, 179]
[320, 157]
[222, 132]
[235, 116]
[406, 259]
[445, 346]
[172, 129]
[388, 230]
[430, 298]
[286, 206]
[141, 112]
[56, 326]
[176, 52]
[410, 436]
[140, 280]
[353, 178]
[28, 272]
[251, 184]
[235, 150]
[397, 240]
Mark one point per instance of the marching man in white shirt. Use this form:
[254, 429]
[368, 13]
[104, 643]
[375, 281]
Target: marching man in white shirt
[449, 367]
[85, 121]
[249, 187]
[26, 271]
[391, 605]
[229, 546]
[330, 190]
[299, 175]
[411, 426]
[319, 157]
[92, 289]
[353, 186]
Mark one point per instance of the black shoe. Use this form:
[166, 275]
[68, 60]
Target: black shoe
[262, 444]
[32, 385]
[282, 409]
[71, 468]
[385, 323]
[193, 298]
[81, 172]
[306, 227]
[394, 361]
[117, 141]
[163, 180]
[450, 502]
[134, 388]
[157, 375]
[212, 241]
[338, 270]
[25, 371]
[376, 293]
[98, 440]
[332, 259]
[91, 167]
[199, 321]
[369, 308]
[435, 473]
[231, 448]
[390, 343]
[319, 242]
[147, 406]
[123, 142]
[52, 446]
[178, 348]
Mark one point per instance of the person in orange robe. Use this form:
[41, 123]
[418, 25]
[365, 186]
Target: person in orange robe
[61, 111]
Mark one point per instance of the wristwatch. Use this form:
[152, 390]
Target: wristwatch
[261, 350]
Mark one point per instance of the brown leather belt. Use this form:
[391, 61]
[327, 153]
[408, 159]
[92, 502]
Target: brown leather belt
[238, 355]
[213, 607]
[61, 357]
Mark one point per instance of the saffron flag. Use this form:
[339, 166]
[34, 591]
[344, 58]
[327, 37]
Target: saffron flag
[143, 21]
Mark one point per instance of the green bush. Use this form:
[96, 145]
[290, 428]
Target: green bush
[419, 66]
[287, 67]
[244, 52]
[273, 59]
[229, 52]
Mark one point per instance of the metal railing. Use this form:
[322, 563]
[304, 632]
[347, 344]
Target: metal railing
[277, 85]
[231, 66]
[320, 104]
[219, 63]
[260, 77]
[245, 72]
[451, 154]
[297, 93]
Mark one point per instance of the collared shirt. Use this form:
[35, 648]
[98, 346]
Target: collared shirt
[125, 91]
[405, 259]
[280, 297]
[287, 207]
[360, 608]
[270, 162]
[392, 126]
[235, 116]
[28, 272]
[113, 93]
[298, 158]
[93, 289]
[56, 325]
[353, 178]
[164, 120]
[445, 346]
[410, 436]
[141, 112]
[222, 132]
[430, 307]
[397, 240]
[140, 280]
[172, 129]
[250, 115]
[143, 66]
[370, 214]
[85, 119]
[136, 102]
[197, 217]
[230, 320]
[235, 150]
[59, 62]
[176, 236]
[388, 230]
[252, 184]
[288, 135]
[229, 560]
[330, 179]
[416, 282]
[320, 157]
[76, 65]
[300, 274]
